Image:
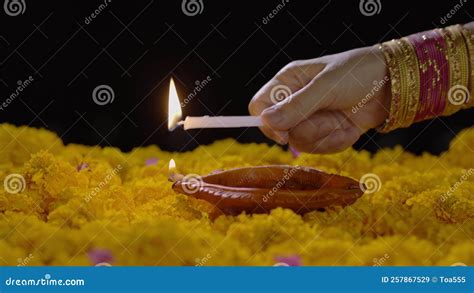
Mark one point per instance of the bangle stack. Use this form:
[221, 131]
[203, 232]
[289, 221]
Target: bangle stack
[430, 73]
[469, 37]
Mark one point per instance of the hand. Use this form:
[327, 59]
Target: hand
[330, 100]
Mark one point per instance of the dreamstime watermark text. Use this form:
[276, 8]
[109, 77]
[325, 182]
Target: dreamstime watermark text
[21, 86]
[88, 19]
[458, 6]
[277, 9]
[378, 85]
[380, 261]
[110, 174]
[44, 281]
[24, 261]
[202, 261]
[465, 176]
[281, 183]
[199, 86]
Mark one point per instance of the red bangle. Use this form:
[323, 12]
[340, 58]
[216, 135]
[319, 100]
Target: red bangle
[433, 71]
[443, 72]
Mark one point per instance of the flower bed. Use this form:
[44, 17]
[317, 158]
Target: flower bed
[83, 205]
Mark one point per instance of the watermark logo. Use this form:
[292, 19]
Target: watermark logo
[380, 261]
[202, 261]
[110, 174]
[24, 261]
[444, 19]
[288, 173]
[370, 183]
[88, 19]
[370, 7]
[14, 183]
[279, 93]
[47, 280]
[193, 183]
[14, 7]
[465, 176]
[458, 95]
[192, 7]
[378, 85]
[103, 95]
[199, 86]
[266, 19]
[21, 86]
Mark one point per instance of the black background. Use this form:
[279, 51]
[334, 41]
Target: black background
[136, 46]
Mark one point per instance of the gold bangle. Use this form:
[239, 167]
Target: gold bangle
[469, 39]
[412, 82]
[394, 73]
[458, 66]
[399, 63]
[403, 66]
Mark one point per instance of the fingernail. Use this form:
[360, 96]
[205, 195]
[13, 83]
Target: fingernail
[273, 116]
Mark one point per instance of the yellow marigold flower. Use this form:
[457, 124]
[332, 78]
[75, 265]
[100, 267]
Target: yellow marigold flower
[18, 143]
[79, 199]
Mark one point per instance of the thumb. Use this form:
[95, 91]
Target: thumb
[297, 107]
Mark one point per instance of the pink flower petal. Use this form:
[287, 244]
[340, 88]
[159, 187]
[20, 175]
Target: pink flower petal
[82, 166]
[151, 161]
[294, 152]
[98, 255]
[291, 260]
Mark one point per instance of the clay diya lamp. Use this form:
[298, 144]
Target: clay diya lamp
[263, 188]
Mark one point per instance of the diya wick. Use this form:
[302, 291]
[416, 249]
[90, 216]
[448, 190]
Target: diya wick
[173, 176]
[175, 114]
